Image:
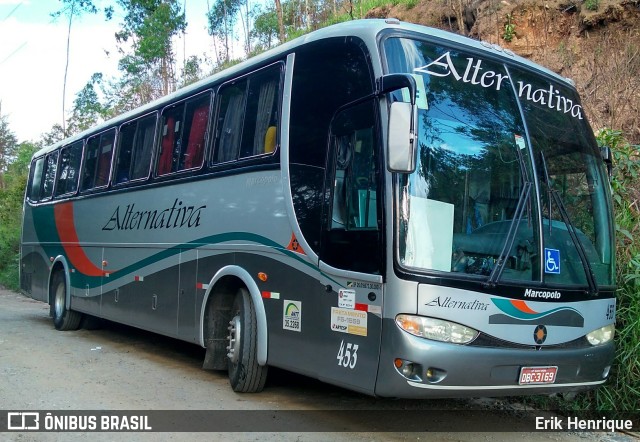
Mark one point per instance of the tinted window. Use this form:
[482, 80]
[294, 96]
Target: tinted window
[97, 163]
[51, 165]
[135, 147]
[248, 116]
[70, 158]
[184, 134]
[353, 216]
[36, 179]
[327, 75]
[230, 117]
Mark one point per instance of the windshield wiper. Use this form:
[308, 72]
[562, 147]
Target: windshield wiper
[582, 254]
[523, 202]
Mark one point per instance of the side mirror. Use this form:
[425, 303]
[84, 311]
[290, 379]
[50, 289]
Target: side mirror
[607, 157]
[403, 123]
[401, 142]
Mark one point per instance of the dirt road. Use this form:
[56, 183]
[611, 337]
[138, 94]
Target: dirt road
[121, 368]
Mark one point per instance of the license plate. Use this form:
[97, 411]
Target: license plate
[537, 375]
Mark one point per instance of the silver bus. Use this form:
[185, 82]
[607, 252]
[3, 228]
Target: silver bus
[393, 209]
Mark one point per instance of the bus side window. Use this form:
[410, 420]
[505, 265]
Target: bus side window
[126, 140]
[90, 161]
[70, 157]
[51, 166]
[35, 190]
[141, 161]
[104, 158]
[230, 119]
[184, 130]
[97, 162]
[135, 144]
[170, 125]
[195, 130]
[259, 131]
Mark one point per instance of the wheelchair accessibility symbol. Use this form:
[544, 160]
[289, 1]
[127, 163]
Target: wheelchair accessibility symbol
[552, 261]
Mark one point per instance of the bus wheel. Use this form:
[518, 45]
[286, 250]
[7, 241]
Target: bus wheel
[63, 319]
[245, 375]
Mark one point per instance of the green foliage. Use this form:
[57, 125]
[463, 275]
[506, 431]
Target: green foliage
[148, 28]
[222, 17]
[72, 8]
[191, 72]
[8, 143]
[265, 28]
[11, 197]
[622, 392]
[87, 109]
[509, 29]
[411, 4]
[592, 5]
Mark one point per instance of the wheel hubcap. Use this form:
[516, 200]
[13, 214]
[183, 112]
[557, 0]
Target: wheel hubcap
[59, 300]
[233, 349]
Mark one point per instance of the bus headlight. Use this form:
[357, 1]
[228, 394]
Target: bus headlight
[602, 335]
[436, 329]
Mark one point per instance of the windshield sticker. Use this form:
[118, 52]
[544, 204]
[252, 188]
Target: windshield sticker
[520, 313]
[443, 67]
[520, 141]
[552, 261]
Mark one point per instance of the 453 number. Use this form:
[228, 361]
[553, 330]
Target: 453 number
[348, 355]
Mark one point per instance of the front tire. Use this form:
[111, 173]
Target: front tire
[63, 318]
[245, 374]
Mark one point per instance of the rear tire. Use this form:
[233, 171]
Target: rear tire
[63, 318]
[245, 374]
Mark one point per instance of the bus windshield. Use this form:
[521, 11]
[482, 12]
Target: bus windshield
[508, 179]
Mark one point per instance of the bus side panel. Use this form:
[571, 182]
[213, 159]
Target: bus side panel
[86, 290]
[39, 276]
[34, 261]
[155, 305]
[188, 313]
[26, 269]
[117, 304]
[301, 314]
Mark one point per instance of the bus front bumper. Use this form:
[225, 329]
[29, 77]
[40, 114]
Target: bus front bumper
[441, 369]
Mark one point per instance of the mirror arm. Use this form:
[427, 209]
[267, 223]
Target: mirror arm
[393, 82]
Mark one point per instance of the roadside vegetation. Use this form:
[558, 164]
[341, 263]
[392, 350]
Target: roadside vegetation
[623, 390]
[149, 70]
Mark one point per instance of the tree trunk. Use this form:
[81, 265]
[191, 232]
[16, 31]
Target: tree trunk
[66, 69]
[280, 21]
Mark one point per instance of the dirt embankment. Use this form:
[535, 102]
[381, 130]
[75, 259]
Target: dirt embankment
[596, 43]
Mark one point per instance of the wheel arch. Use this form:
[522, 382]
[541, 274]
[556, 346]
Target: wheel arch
[60, 264]
[226, 281]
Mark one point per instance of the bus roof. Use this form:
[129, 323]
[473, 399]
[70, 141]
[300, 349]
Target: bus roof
[366, 29]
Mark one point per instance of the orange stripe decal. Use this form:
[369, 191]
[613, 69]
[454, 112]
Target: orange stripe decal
[522, 306]
[63, 214]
